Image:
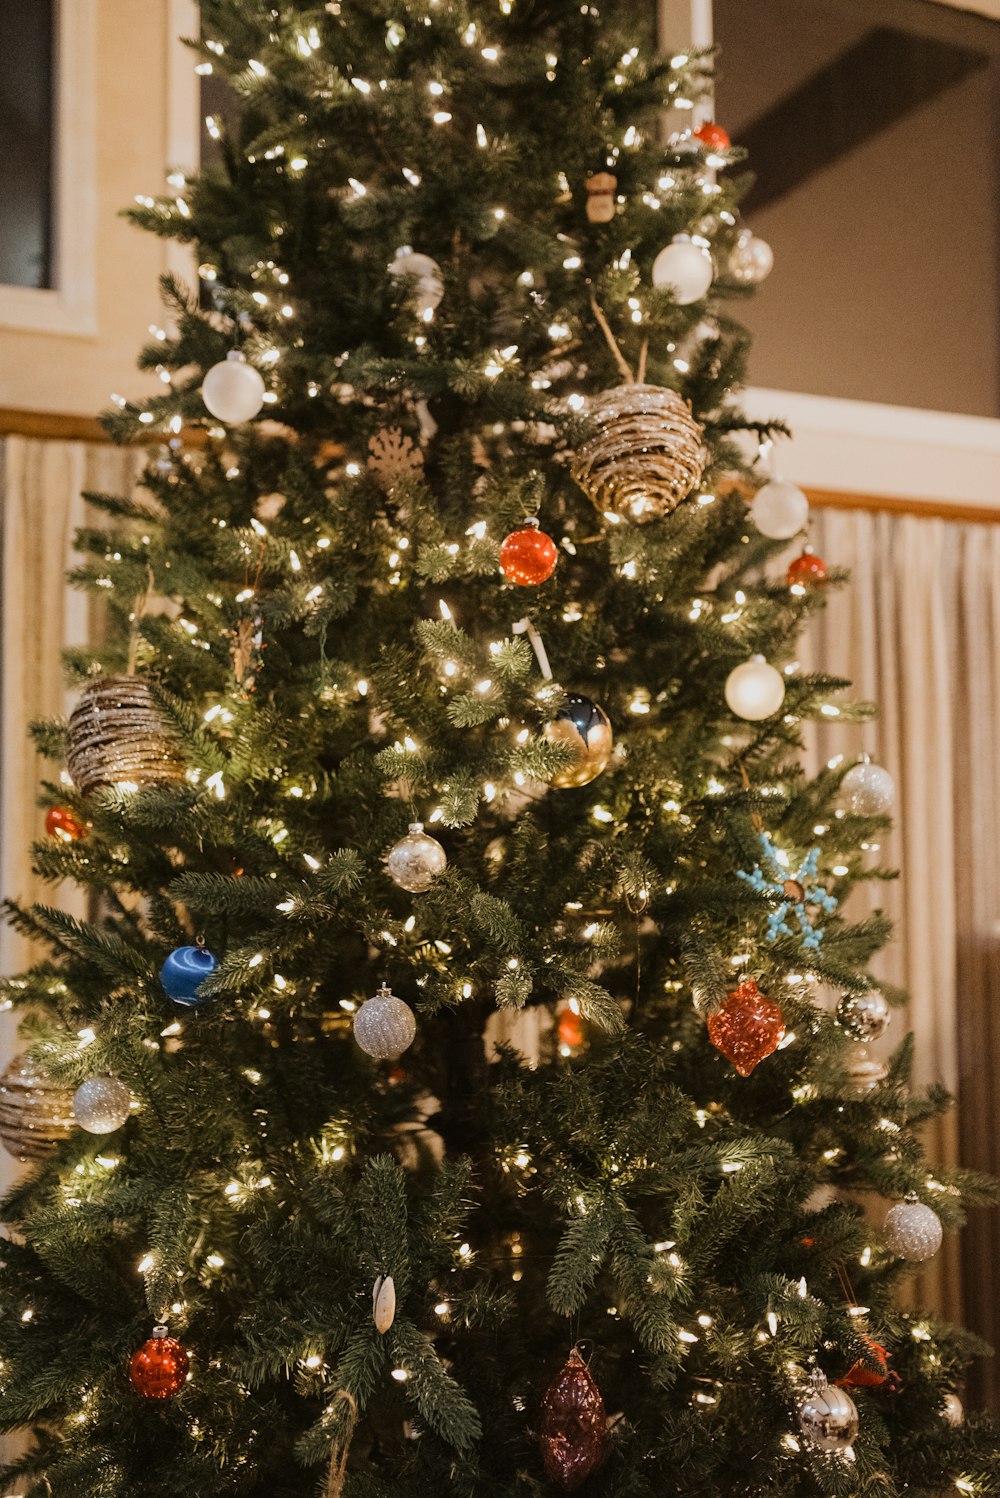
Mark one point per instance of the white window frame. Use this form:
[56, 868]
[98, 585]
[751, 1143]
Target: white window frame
[863, 447]
[70, 306]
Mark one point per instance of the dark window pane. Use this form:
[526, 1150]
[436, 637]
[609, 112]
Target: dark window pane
[27, 46]
[875, 135]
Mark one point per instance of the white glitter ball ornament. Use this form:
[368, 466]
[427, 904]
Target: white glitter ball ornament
[828, 1416]
[101, 1104]
[755, 690]
[233, 390]
[779, 510]
[912, 1230]
[416, 860]
[384, 1026]
[868, 790]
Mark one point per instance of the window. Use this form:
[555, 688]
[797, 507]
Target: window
[27, 107]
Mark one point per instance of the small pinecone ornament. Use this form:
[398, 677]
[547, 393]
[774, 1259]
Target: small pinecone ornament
[644, 454]
[912, 1230]
[574, 1426]
[747, 1028]
[383, 1303]
[828, 1417]
[160, 1366]
[35, 1114]
[117, 734]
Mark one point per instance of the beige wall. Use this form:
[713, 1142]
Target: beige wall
[146, 121]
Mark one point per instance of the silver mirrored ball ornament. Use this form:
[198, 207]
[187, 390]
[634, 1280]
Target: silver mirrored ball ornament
[828, 1416]
[865, 1016]
[384, 1026]
[416, 860]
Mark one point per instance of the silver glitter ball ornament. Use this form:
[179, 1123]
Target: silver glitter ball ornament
[35, 1113]
[416, 860]
[912, 1230]
[384, 1026]
[751, 260]
[865, 1016]
[868, 790]
[953, 1411]
[101, 1104]
[828, 1416]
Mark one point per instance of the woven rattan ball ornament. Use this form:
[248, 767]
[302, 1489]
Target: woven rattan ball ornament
[644, 454]
[35, 1114]
[118, 736]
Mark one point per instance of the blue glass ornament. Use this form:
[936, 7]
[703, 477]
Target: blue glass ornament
[183, 973]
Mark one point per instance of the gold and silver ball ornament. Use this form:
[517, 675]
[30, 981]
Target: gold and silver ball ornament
[383, 1303]
[953, 1411]
[233, 391]
[750, 261]
[912, 1230]
[868, 790]
[780, 510]
[583, 727]
[863, 1072]
[755, 690]
[828, 1416]
[684, 268]
[425, 274]
[35, 1113]
[644, 453]
[102, 1104]
[384, 1026]
[118, 736]
[865, 1016]
[416, 860]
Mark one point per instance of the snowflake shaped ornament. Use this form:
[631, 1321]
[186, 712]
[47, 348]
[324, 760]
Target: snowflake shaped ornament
[799, 896]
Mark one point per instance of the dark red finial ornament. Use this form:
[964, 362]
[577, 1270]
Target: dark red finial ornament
[160, 1366]
[528, 556]
[747, 1028]
[574, 1426]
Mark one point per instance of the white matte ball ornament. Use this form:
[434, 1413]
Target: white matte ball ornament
[416, 860]
[912, 1230]
[233, 390]
[384, 1026]
[828, 1416]
[684, 268]
[755, 690]
[868, 790]
[751, 260]
[428, 287]
[102, 1104]
[780, 510]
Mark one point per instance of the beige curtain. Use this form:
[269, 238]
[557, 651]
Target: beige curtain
[918, 631]
[41, 505]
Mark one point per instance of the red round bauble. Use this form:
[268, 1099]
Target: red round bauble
[862, 1377]
[62, 823]
[574, 1426]
[713, 136]
[160, 1367]
[528, 556]
[807, 571]
[570, 1028]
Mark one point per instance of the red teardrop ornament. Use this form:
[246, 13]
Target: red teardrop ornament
[159, 1368]
[713, 136]
[528, 556]
[574, 1427]
[807, 571]
[747, 1028]
[62, 823]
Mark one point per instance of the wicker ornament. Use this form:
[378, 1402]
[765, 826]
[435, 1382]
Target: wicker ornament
[644, 454]
[118, 734]
[35, 1113]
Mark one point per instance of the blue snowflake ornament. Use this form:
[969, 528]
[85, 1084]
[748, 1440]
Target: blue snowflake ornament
[800, 898]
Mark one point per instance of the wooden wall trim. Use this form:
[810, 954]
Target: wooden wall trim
[51, 424]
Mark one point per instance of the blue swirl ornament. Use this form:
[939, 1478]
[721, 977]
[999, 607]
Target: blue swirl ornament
[183, 973]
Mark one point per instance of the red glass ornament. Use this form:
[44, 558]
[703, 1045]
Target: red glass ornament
[574, 1426]
[528, 556]
[62, 823]
[747, 1028]
[570, 1028]
[862, 1377]
[807, 571]
[713, 136]
[160, 1366]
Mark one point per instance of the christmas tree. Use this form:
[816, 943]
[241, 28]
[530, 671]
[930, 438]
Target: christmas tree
[461, 1083]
